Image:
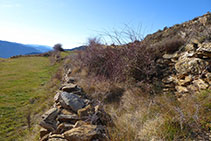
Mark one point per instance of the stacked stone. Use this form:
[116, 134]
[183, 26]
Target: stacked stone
[73, 117]
[192, 67]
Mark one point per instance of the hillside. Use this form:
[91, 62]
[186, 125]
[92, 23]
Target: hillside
[155, 89]
[158, 88]
[41, 48]
[9, 49]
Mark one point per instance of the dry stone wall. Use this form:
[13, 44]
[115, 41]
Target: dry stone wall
[74, 117]
[190, 69]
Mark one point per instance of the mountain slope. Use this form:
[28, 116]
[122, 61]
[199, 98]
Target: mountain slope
[76, 48]
[155, 89]
[41, 48]
[8, 49]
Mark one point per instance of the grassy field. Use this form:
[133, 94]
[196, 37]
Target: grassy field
[24, 88]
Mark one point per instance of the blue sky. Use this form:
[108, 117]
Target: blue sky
[72, 22]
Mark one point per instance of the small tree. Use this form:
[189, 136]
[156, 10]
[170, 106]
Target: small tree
[58, 47]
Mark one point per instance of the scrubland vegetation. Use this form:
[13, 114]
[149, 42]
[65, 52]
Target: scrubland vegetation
[127, 79]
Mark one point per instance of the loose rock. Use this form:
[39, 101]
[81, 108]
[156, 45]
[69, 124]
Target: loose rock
[85, 132]
[49, 119]
[71, 101]
[190, 65]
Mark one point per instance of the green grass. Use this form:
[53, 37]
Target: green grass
[65, 53]
[23, 87]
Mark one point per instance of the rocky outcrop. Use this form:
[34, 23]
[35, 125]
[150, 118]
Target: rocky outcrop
[190, 69]
[74, 117]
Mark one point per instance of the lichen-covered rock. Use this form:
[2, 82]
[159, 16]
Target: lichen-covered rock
[190, 65]
[71, 101]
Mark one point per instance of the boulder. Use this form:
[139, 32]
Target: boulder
[71, 101]
[85, 132]
[49, 119]
[190, 65]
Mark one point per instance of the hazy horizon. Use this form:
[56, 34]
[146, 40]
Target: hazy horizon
[71, 22]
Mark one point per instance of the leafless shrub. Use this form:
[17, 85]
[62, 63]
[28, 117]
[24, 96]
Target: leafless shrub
[119, 63]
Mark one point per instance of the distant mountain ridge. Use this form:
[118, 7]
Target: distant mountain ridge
[76, 48]
[41, 48]
[9, 49]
